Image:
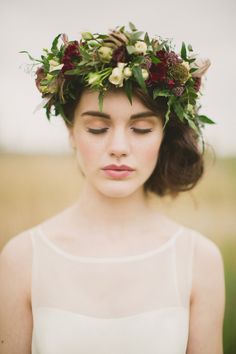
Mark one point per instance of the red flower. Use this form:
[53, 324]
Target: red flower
[170, 83]
[72, 49]
[119, 55]
[40, 74]
[178, 91]
[71, 56]
[173, 59]
[158, 73]
[163, 56]
[197, 83]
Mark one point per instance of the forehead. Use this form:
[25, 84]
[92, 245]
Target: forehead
[115, 106]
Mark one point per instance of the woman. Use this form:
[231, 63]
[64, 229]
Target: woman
[110, 274]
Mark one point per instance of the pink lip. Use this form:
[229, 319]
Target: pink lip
[118, 167]
[117, 174]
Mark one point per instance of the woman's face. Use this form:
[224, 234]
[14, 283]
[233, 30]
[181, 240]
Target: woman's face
[123, 134]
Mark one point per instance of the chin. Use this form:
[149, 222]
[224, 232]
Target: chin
[118, 189]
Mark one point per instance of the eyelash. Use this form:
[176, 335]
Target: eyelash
[103, 130]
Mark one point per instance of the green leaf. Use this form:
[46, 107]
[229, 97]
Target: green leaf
[205, 119]
[164, 44]
[122, 29]
[160, 92]
[139, 59]
[54, 43]
[139, 77]
[44, 82]
[190, 48]
[128, 89]
[135, 36]
[191, 60]
[100, 100]
[48, 113]
[93, 43]
[73, 72]
[154, 59]
[192, 125]
[147, 39]
[193, 69]
[183, 51]
[30, 57]
[178, 110]
[132, 26]
[167, 115]
[85, 54]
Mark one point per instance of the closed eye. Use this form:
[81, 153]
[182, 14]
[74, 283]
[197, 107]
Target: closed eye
[103, 130]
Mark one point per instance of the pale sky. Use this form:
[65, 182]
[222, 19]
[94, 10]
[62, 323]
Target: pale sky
[208, 25]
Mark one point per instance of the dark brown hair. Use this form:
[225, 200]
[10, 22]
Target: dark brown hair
[180, 162]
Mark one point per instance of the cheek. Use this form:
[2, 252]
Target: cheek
[88, 151]
[149, 150]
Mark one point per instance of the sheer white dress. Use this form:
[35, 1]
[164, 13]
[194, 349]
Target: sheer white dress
[136, 304]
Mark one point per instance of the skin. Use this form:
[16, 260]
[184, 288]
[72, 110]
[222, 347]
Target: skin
[113, 205]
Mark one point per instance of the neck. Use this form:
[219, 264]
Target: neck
[112, 215]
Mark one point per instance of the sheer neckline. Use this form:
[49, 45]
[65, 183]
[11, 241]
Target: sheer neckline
[93, 259]
[118, 318]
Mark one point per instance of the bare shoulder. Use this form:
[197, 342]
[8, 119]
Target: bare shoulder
[16, 320]
[208, 263]
[18, 248]
[208, 260]
[16, 258]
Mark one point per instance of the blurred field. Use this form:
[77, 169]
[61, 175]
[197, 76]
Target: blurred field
[33, 188]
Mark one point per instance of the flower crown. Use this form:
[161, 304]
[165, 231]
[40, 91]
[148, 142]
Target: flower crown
[122, 59]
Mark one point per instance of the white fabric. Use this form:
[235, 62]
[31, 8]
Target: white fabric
[119, 305]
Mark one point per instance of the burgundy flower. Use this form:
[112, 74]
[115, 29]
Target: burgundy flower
[163, 56]
[68, 65]
[173, 59]
[148, 62]
[119, 55]
[170, 83]
[40, 74]
[72, 49]
[158, 73]
[178, 91]
[197, 83]
[71, 56]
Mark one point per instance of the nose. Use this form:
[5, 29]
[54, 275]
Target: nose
[119, 144]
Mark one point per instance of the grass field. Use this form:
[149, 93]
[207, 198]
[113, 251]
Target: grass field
[35, 187]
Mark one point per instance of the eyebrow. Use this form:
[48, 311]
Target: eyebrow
[107, 116]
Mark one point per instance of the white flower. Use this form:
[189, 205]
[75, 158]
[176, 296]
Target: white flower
[116, 77]
[54, 65]
[140, 47]
[121, 65]
[105, 53]
[202, 65]
[127, 72]
[145, 74]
